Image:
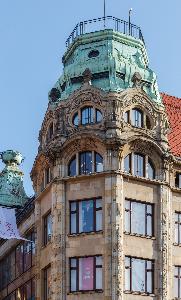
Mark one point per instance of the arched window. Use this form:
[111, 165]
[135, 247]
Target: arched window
[72, 167]
[139, 165]
[88, 162]
[151, 170]
[137, 117]
[87, 115]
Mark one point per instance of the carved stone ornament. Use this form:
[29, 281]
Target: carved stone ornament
[87, 76]
[137, 80]
[142, 147]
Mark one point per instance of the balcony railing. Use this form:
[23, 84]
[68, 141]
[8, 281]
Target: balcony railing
[108, 22]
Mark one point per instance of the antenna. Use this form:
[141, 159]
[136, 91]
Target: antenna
[104, 13]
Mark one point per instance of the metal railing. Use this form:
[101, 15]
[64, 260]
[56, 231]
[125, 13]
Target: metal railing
[108, 22]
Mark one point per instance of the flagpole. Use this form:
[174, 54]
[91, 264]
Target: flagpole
[104, 13]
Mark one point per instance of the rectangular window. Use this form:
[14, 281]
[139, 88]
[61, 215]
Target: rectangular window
[47, 282]
[139, 218]
[85, 216]
[177, 278]
[177, 228]
[178, 180]
[139, 275]
[47, 233]
[25, 292]
[86, 273]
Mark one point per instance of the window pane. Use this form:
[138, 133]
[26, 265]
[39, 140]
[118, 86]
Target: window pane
[127, 163]
[149, 226]
[126, 116]
[72, 167]
[176, 294]
[76, 119]
[138, 165]
[87, 115]
[27, 291]
[127, 280]
[127, 221]
[149, 288]
[49, 227]
[86, 216]
[138, 218]
[138, 275]
[99, 203]
[73, 263]
[98, 260]
[73, 206]
[73, 285]
[99, 162]
[19, 260]
[99, 278]
[85, 159]
[99, 220]
[151, 170]
[86, 273]
[98, 116]
[73, 223]
[27, 254]
[137, 118]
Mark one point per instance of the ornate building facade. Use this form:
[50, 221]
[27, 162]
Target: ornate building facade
[106, 217]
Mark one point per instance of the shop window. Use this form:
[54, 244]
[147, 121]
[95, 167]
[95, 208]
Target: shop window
[138, 218]
[86, 273]
[139, 275]
[85, 216]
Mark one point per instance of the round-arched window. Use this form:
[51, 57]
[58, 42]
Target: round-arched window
[88, 162]
[139, 165]
[137, 118]
[87, 115]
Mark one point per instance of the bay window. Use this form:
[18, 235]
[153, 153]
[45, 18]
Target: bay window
[139, 275]
[86, 273]
[139, 218]
[85, 216]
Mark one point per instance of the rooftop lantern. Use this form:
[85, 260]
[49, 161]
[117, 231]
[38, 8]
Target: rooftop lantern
[12, 193]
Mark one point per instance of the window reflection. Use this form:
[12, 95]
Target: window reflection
[137, 118]
[138, 275]
[72, 167]
[89, 115]
[138, 218]
[85, 162]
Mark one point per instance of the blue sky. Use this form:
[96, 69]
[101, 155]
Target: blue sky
[33, 34]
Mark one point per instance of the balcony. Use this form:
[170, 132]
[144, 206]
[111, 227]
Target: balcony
[103, 23]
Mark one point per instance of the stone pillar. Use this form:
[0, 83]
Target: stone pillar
[58, 263]
[165, 243]
[114, 236]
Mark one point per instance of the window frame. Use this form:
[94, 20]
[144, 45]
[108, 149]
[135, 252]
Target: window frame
[95, 267]
[46, 241]
[146, 216]
[178, 225]
[146, 274]
[45, 281]
[92, 117]
[76, 212]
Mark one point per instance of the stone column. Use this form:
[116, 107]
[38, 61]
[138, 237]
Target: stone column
[165, 243]
[58, 263]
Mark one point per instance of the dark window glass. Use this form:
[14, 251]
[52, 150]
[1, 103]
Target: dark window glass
[127, 163]
[47, 283]
[72, 167]
[98, 162]
[139, 275]
[47, 228]
[76, 119]
[93, 53]
[138, 218]
[139, 165]
[137, 118]
[86, 273]
[177, 282]
[85, 216]
[85, 162]
[98, 116]
[178, 180]
[87, 115]
[148, 124]
[19, 259]
[27, 254]
[178, 228]
[151, 170]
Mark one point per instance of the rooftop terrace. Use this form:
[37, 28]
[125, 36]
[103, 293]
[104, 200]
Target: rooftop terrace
[108, 22]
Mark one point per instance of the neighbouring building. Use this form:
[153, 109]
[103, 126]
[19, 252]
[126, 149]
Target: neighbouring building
[106, 217]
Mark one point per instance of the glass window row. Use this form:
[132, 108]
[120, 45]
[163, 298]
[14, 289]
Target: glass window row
[87, 115]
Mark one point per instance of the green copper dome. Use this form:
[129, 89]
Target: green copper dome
[12, 192]
[115, 56]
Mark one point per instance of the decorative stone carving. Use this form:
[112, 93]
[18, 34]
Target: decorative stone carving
[137, 80]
